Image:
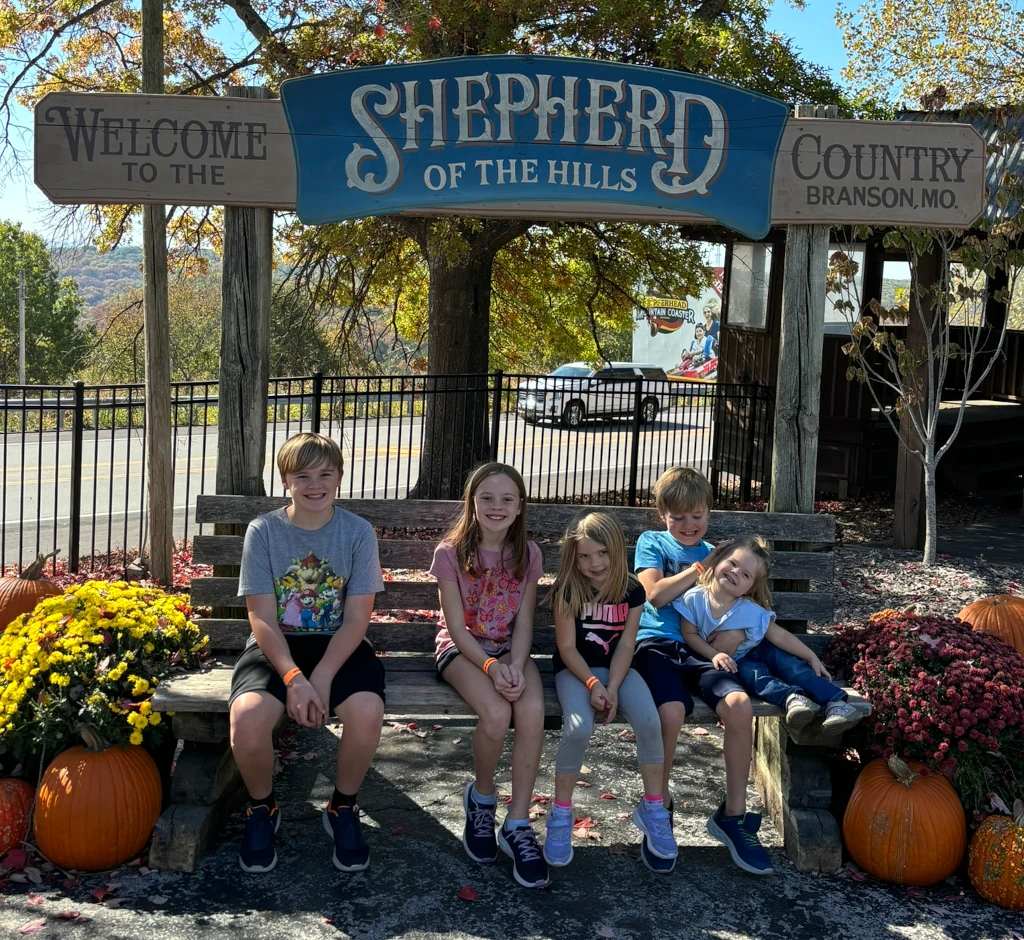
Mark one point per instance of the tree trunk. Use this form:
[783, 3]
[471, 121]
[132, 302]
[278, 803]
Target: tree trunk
[456, 413]
[931, 518]
[460, 259]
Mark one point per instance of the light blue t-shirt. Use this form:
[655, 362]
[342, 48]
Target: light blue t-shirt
[661, 550]
[744, 615]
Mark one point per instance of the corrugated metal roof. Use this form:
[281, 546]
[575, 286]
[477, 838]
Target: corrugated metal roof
[1004, 139]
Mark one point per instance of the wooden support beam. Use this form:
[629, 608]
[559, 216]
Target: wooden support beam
[798, 387]
[159, 453]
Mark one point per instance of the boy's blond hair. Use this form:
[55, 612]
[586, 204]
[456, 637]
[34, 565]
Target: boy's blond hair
[307, 450]
[680, 489]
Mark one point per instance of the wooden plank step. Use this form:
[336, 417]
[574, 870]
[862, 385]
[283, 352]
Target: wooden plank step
[544, 518]
[410, 692]
[422, 595]
[418, 554]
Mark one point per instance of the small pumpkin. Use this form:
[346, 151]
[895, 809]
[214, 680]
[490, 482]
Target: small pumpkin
[1002, 615]
[15, 807]
[996, 860]
[904, 824]
[97, 804]
[19, 594]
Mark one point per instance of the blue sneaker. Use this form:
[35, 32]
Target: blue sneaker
[478, 834]
[660, 866]
[656, 825]
[558, 840]
[257, 853]
[351, 853]
[528, 865]
[739, 835]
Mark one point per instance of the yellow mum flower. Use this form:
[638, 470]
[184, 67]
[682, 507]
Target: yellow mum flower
[136, 738]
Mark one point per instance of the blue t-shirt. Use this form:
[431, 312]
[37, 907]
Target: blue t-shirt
[661, 550]
[744, 615]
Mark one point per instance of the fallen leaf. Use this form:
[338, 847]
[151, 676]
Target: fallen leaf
[397, 724]
[506, 799]
[541, 799]
[70, 883]
[583, 822]
[438, 727]
[33, 926]
[608, 796]
[627, 735]
[100, 893]
[157, 899]
[18, 878]
[586, 834]
[699, 732]
[143, 870]
[328, 920]
[585, 769]
[412, 726]
[623, 815]
[14, 859]
[583, 785]
[420, 734]
[603, 930]
[457, 741]
[33, 874]
[67, 915]
[466, 893]
[34, 899]
[114, 903]
[398, 831]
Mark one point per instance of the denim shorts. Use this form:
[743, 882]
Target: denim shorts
[674, 673]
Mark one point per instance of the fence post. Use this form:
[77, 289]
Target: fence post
[496, 412]
[634, 449]
[748, 462]
[318, 395]
[77, 428]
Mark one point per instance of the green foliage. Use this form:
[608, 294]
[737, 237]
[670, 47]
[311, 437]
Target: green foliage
[55, 343]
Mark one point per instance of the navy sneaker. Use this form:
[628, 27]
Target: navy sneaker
[528, 865]
[478, 834]
[257, 853]
[351, 853]
[739, 835]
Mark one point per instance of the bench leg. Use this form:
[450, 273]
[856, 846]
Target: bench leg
[795, 787]
[205, 781]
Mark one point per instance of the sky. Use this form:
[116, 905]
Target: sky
[813, 30]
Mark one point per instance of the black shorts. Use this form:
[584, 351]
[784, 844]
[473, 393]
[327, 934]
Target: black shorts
[361, 672]
[672, 672]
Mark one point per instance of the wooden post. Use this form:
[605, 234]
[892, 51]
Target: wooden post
[159, 453]
[798, 387]
[908, 512]
[244, 343]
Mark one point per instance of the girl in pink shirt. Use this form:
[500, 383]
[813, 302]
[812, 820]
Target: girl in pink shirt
[487, 573]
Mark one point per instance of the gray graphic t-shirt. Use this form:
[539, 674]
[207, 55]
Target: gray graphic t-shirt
[310, 571]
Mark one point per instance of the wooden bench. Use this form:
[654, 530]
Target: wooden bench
[792, 779]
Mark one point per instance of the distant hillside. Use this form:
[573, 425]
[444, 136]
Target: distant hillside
[103, 276]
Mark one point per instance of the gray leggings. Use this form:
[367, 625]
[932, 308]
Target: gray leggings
[635, 703]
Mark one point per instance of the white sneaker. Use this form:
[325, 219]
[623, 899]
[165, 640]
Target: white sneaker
[800, 712]
[840, 716]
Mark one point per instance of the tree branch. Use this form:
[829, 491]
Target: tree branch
[260, 31]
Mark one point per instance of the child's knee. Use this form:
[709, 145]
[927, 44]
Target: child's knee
[252, 724]
[495, 718]
[672, 715]
[577, 728]
[363, 710]
[735, 709]
[529, 711]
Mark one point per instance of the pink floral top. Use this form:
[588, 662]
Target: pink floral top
[490, 601]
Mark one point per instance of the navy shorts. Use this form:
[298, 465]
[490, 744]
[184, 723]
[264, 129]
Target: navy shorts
[674, 674]
[361, 672]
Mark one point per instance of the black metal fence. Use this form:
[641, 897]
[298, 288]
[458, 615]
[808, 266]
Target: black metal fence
[74, 457]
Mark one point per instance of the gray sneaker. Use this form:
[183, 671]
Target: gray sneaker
[558, 841]
[840, 716]
[800, 712]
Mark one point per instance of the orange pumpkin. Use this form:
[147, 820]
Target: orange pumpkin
[904, 823]
[996, 861]
[1002, 615]
[97, 805]
[19, 595]
[15, 806]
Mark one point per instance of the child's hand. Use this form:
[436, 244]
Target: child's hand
[303, 704]
[322, 686]
[611, 705]
[819, 668]
[598, 697]
[724, 662]
[501, 677]
[517, 684]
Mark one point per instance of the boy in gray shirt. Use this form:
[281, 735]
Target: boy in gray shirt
[310, 572]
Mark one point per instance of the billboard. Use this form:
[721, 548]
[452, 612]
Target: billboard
[680, 334]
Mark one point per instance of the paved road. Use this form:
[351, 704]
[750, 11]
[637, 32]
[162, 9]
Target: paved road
[381, 460]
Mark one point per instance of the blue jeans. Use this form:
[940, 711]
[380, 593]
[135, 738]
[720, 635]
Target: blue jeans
[775, 675]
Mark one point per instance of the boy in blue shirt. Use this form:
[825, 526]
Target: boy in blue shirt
[668, 563]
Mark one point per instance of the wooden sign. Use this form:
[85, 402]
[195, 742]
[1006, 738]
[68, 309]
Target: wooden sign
[177, 150]
[170, 149]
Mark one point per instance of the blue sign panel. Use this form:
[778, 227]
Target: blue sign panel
[539, 132]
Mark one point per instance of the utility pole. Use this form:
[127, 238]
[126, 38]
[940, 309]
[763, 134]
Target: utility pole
[21, 327]
[159, 455]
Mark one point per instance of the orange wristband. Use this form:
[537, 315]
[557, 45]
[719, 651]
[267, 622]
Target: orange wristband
[591, 682]
[291, 674]
[698, 566]
[490, 661]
